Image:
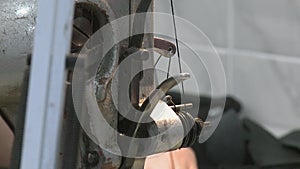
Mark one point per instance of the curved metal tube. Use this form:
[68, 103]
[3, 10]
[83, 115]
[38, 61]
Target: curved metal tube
[154, 97]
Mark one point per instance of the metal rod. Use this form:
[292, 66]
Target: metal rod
[182, 106]
[169, 65]
[157, 60]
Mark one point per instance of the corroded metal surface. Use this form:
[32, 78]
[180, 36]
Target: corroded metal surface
[18, 19]
[16, 35]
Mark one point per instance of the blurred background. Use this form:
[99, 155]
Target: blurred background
[259, 45]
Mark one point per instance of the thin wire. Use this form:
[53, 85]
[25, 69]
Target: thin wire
[169, 65]
[172, 163]
[157, 60]
[176, 39]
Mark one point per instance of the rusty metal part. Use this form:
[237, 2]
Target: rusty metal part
[88, 18]
[98, 14]
[164, 47]
[93, 157]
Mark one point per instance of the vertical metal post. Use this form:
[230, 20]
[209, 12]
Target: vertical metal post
[46, 87]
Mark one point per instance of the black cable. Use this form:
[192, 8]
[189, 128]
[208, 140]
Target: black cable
[169, 66]
[178, 55]
[176, 39]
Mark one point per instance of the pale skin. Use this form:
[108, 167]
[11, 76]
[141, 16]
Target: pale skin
[183, 158]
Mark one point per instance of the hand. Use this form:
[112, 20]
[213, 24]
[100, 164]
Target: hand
[183, 158]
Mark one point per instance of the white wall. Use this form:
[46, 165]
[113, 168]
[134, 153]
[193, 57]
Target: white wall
[259, 43]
